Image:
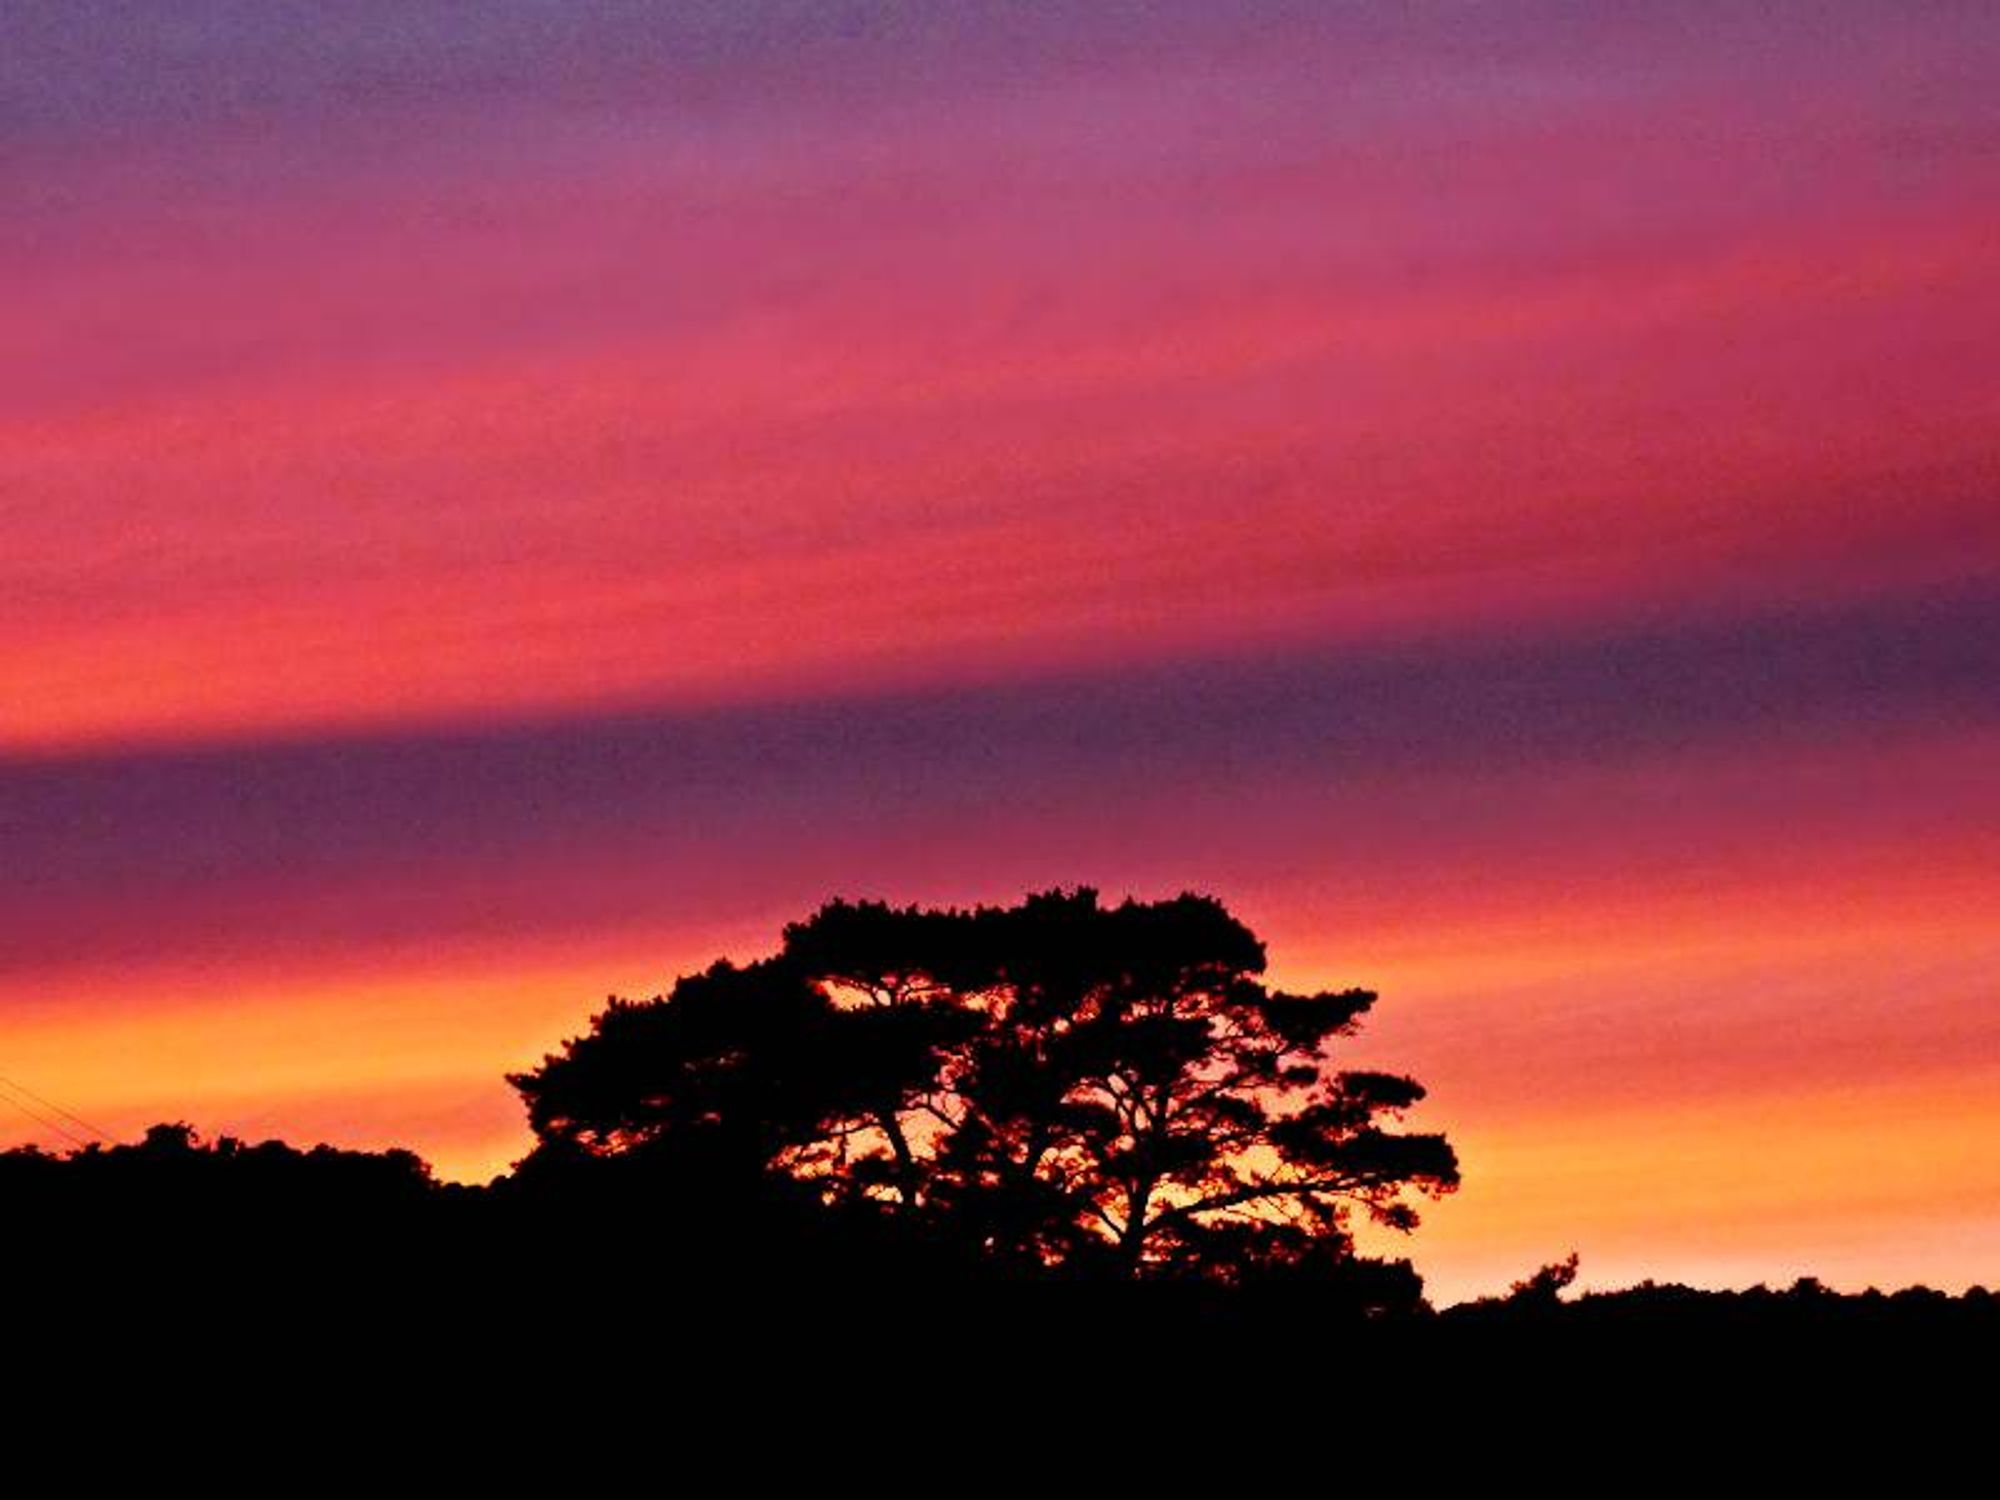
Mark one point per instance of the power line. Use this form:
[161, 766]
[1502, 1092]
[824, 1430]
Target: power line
[50, 1104]
[43, 1120]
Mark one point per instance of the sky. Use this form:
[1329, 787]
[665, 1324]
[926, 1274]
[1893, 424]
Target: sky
[503, 504]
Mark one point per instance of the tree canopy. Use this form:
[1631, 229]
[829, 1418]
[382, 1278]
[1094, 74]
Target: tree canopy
[1059, 1085]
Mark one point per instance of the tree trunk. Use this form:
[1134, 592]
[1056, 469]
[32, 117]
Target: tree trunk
[907, 1183]
[1132, 1241]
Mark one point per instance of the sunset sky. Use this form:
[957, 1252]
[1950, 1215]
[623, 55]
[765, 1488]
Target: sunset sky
[501, 504]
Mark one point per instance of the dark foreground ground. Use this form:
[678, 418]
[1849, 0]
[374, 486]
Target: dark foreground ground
[354, 1280]
[622, 1306]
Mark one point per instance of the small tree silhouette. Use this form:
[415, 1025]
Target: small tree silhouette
[1544, 1289]
[1058, 1084]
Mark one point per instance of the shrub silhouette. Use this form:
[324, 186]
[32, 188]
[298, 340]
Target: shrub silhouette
[1058, 1087]
[1544, 1289]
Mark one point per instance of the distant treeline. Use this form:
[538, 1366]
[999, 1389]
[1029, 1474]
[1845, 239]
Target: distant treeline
[229, 1233]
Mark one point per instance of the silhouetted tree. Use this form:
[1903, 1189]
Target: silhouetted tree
[1059, 1084]
[1546, 1286]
